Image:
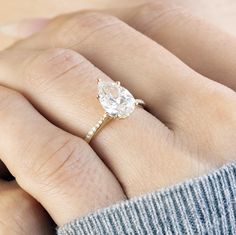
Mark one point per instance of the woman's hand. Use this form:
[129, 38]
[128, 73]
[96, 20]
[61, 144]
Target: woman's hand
[188, 128]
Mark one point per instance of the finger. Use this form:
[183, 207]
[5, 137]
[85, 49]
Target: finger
[203, 46]
[24, 28]
[63, 86]
[144, 67]
[21, 214]
[61, 171]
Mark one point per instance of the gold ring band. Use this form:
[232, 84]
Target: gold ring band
[101, 123]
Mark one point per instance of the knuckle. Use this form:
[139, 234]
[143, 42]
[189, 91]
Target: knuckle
[213, 122]
[208, 103]
[156, 14]
[150, 5]
[93, 19]
[45, 68]
[220, 104]
[71, 159]
[81, 26]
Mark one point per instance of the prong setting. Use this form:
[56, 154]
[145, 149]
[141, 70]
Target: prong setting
[117, 102]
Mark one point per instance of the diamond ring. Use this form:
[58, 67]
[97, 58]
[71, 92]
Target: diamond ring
[117, 102]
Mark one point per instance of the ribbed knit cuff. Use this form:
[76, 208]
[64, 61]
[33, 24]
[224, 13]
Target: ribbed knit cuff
[205, 205]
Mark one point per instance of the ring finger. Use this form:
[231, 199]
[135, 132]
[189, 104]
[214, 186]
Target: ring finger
[63, 86]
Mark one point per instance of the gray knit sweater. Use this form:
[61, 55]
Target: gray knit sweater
[205, 205]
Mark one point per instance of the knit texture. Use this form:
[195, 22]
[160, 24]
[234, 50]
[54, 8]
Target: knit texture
[205, 205]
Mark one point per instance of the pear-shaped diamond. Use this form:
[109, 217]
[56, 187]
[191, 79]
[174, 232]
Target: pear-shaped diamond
[115, 99]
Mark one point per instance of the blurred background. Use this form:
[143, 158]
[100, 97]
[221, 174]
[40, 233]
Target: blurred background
[220, 12]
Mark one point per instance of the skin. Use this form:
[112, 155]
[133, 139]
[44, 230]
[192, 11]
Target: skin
[15, 204]
[221, 13]
[188, 127]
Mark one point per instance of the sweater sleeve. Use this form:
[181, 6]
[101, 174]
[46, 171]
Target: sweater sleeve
[205, 205]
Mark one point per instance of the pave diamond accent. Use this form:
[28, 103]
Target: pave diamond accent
[115, 99]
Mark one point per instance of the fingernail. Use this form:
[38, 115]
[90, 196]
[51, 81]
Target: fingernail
[24, 28]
